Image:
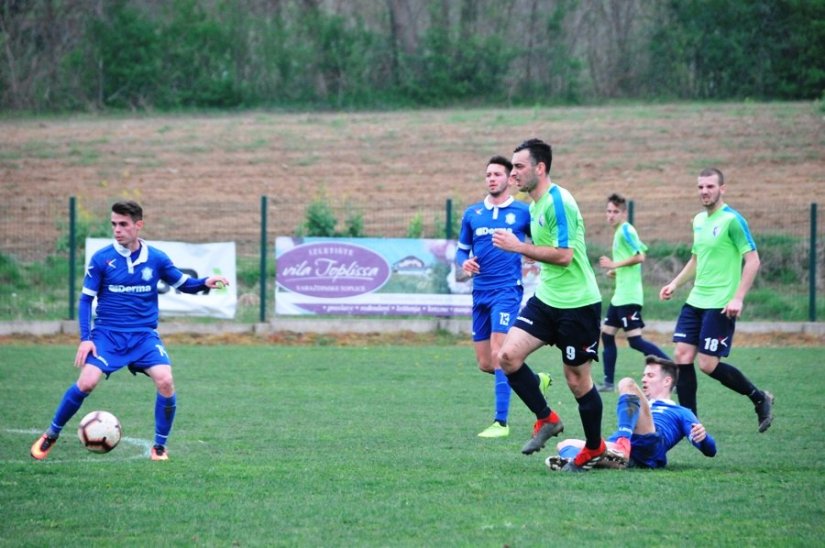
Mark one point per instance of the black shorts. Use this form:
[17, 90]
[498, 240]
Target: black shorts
[575, 331]
[624, 316]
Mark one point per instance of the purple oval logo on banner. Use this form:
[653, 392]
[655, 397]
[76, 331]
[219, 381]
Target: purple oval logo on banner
[332, 270]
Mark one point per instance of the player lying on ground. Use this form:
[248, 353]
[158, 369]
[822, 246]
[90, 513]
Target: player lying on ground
[649, 423]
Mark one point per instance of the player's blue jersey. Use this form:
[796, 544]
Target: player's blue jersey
[498, 268]
[127, 290]
[673, 423]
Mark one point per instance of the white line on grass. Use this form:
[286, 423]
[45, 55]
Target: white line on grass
[115, 455]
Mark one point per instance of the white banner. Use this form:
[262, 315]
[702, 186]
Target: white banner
[374, 276]
[197, 260]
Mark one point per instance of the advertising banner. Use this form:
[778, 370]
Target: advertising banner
[369, 276]
[197, 260]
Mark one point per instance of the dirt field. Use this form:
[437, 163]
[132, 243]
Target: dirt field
[205, 174]
[399, 338]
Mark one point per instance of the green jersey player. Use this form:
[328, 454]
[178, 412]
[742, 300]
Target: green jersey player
[723, 264]
[625, 309]
[565, 310]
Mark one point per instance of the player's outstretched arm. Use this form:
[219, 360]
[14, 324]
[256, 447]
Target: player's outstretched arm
[216, 282]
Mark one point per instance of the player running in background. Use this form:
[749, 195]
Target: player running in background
[565, 311]
[124, 277]
[625, 309]
[497, 287]
[721, 242]
[649, 423]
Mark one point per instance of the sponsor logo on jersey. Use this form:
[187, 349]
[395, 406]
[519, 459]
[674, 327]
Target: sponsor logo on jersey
[486, 230]
[129, 288]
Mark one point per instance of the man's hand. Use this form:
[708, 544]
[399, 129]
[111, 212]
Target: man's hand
[470, 266]
[216, 282]
[734, 308]
[606, 262]
[697, 433]
[667, 292]
[83, 351]
[506, 240]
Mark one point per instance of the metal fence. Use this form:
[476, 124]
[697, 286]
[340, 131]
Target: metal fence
[35, 252]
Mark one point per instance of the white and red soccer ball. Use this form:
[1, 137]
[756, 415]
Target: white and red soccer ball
[99, 431]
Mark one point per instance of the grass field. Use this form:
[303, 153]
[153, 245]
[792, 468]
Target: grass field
[326, 446]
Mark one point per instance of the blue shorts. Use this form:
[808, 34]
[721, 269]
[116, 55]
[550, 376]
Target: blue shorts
[495, 310]
[119, 349]
[625, 316]
[574, 330]
[710, 331]
[646, 450]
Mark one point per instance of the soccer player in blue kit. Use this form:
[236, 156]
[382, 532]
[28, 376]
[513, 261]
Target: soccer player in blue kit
[497, 286]
[124, 277]
[649, 423]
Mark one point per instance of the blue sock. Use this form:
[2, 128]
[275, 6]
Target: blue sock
[609, 357]
[627, 414]
[71, 402]
[164, 417]
[590, 411]
[502, 391]
[645, 347]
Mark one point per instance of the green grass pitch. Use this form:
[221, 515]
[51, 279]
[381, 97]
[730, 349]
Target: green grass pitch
[327, 446]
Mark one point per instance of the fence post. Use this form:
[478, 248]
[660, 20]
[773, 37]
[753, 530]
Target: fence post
[264, 252]
[630, 209]
[72, 250]
[812, 268]
[448, 231]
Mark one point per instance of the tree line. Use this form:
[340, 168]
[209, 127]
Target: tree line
[86, 55]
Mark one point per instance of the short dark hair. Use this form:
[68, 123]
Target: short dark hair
[669, 369]
[540, 152]
[710, 172]
[130, 208]
[501, 161]
[618, 200]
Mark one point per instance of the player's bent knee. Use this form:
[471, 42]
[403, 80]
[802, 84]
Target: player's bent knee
[164, 384]
[86, 386]
[507, 361]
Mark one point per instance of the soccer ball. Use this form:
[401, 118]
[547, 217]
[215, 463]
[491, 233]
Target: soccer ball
[99, 431]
